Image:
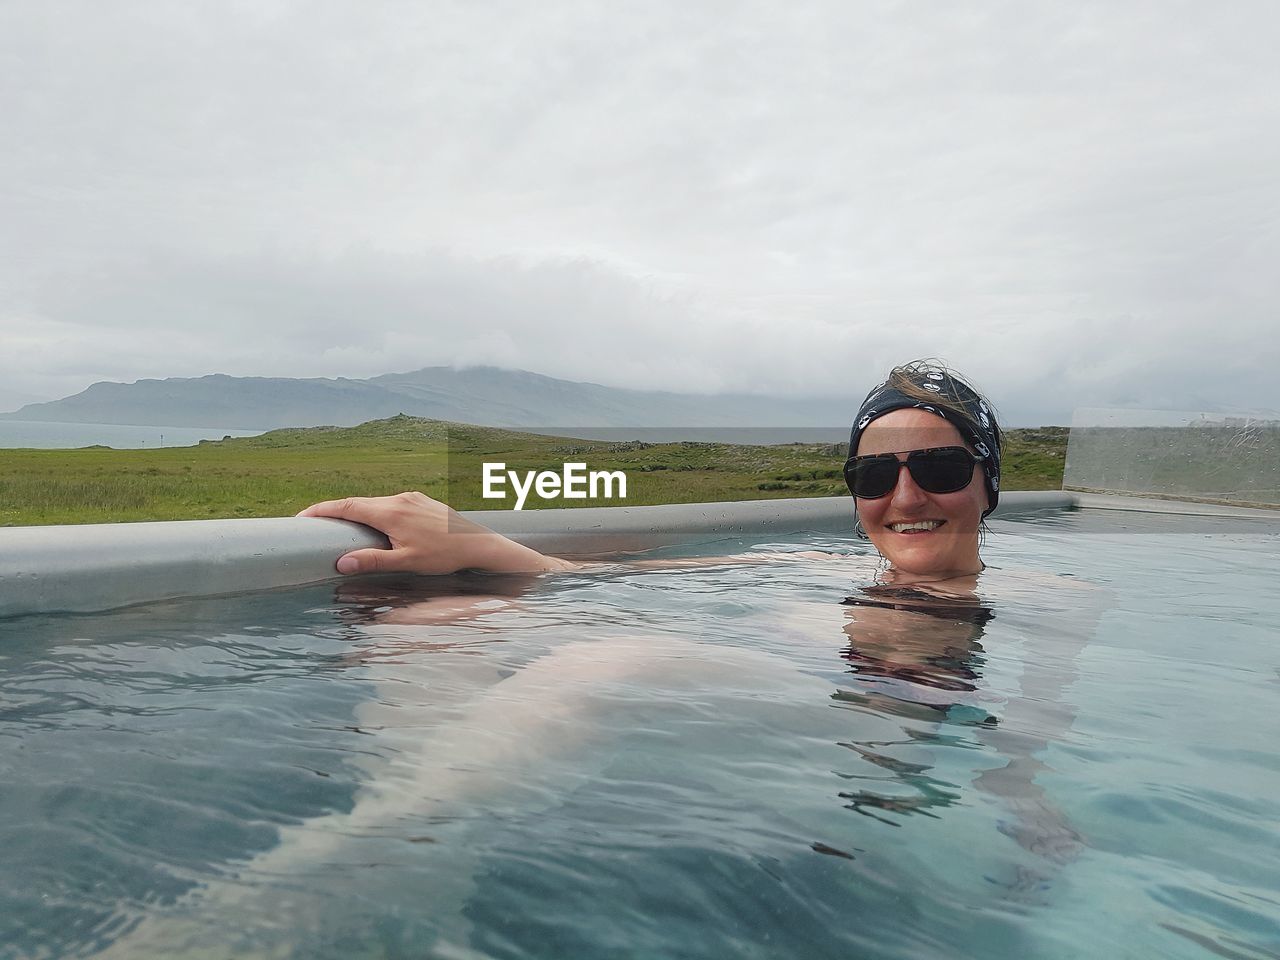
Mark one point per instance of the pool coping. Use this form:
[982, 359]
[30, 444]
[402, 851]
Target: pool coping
[93, 567]
[1185, 508]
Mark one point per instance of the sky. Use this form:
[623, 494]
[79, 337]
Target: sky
[1075, 205]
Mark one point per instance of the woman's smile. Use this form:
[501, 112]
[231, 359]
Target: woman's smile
[915, 526]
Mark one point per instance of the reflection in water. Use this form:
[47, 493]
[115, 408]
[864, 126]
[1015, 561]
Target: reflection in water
[916, 648]
[626, 755]
[916, 654]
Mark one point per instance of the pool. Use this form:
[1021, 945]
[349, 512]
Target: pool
[718, 759]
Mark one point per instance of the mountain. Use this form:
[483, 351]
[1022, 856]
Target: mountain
[480, 395]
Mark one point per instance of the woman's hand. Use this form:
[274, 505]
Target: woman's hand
[428, 536]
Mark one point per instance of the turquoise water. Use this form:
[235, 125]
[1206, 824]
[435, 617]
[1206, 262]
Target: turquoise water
[706, 762]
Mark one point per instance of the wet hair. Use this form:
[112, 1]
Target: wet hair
[908, 378]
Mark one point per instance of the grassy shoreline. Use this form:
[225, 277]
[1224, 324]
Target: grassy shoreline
[279, 473]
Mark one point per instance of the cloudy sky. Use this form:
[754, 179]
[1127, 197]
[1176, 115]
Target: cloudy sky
[1075, 204]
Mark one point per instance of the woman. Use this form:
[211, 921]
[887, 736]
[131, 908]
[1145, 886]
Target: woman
[924, 519]
[924, 469]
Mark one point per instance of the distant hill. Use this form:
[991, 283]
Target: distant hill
[480, 395]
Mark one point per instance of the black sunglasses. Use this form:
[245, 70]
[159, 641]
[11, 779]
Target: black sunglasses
[936, 470]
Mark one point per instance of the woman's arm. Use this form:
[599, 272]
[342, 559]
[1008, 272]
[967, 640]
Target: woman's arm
[428, 536]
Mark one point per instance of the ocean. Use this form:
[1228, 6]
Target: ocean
[31, 433]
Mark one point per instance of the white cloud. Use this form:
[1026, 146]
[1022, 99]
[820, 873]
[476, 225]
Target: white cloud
[1073, 204]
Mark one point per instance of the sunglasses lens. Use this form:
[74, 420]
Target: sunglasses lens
[944, 470]
[873, 477]
[941, 471]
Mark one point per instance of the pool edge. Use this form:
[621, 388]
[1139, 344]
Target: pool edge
[92, 567]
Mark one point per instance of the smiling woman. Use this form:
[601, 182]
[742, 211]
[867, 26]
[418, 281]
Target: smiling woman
[925, 520]
[922, 527]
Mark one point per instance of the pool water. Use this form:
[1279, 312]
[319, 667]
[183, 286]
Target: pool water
[707, 761]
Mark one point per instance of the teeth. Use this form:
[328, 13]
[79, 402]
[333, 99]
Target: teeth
[918, 525]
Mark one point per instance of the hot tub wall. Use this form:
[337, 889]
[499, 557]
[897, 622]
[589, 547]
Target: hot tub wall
[102, 566]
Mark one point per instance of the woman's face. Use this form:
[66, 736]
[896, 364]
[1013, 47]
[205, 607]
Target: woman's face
[949, 547]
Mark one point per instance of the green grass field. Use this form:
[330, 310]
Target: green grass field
[281, 472]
